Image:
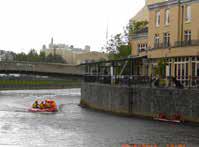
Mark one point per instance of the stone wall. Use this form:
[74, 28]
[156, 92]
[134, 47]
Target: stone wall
[142, 101]
[105, 97]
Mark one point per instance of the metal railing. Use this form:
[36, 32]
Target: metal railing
[138, 35]
[121, 80]
[128, 80]
[160, 46]
[188, 81]
[106, 79]
[176, 44]
[186, 43]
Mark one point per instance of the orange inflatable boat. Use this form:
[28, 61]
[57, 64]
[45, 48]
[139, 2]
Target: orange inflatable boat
[42, 110]
[51, 106]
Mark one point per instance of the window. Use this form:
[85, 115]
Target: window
[188, 13]
[187, 37]
[157, 18]
[166, 40]
[179, 69]
[167, 19]
[175, 71]
[187, 69]
[156, 41]
[193, 69]
[198, 69]
[142, 47]
[183, 70]
[138, 47]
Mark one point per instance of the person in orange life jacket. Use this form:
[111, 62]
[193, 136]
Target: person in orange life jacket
[47, 104]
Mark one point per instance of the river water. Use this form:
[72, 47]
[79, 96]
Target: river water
[74, 126]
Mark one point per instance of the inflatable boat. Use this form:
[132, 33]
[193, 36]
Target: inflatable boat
[167, 120]
[51, 103]
[176, 118]
[42, 110]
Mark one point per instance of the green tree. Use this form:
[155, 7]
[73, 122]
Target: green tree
[33, 56]
[42, 56]
[118, 46]
[54, 59]
[21, 57]
[136, 26]
[160, 69]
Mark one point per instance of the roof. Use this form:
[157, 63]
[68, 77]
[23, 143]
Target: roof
[118, 60]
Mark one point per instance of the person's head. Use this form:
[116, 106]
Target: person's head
[36, 101]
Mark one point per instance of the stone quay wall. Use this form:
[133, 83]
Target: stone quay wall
[141, 101]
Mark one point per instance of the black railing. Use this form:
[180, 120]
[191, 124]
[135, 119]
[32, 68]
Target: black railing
[138, 35]
[179, 82]
[191, 82]
[160, 46]
[121, 80]
[186, 43]
[176, 44]
[106, 79]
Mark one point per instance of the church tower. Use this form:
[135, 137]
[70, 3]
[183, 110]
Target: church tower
[51, 44]
[52, 41]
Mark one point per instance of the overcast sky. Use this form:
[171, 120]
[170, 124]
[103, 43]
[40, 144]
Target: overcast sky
[26, 24]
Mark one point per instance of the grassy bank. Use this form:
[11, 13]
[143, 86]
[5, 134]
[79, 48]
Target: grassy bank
[39, 84]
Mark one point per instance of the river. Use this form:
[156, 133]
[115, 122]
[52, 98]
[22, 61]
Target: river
[74, 126]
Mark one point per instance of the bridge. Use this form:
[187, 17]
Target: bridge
[51, 69]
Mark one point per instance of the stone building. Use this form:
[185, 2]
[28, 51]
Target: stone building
[73, 55]
[143, 14]
[6, 55]
[172, 34]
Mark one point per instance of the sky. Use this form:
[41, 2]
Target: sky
[27, 24]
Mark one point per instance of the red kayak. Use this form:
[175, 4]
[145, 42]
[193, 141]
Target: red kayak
[42, 110]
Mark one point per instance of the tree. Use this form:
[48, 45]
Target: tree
[21, 57]
[42, 56]
[33, 56]
[137, 26]
[55, 59]
[118, 46]
[160, 69]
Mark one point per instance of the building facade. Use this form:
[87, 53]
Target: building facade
[172, 35]
[73, 55]
[7, 55]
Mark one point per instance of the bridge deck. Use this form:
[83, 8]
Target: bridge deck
[41, 68]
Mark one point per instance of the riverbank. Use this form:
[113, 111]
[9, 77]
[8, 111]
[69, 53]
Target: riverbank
[39, 84]
[145, 102]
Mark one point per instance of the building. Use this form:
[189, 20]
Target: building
[6, 55]
[172, 35]
[53, 48]
[73, 55]
[143, 14]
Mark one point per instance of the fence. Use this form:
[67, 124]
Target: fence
[122, 80]
[142, 80]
